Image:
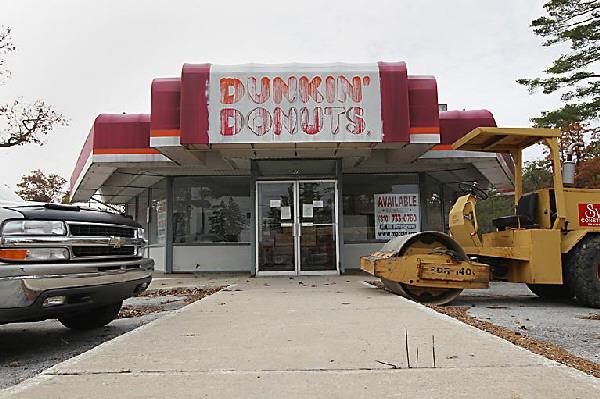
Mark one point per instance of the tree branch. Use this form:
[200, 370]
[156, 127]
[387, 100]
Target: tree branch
[28, 123]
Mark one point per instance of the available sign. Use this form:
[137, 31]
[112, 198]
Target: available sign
[294, 103]
[589, 214]
[396, 215]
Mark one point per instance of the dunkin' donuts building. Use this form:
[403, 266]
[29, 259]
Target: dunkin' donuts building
[284, 169]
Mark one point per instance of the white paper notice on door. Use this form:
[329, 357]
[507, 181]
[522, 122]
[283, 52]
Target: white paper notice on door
[275, 203]
[286, 213]
[307, 210]
[318, 204]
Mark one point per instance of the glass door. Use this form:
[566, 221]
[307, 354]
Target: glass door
[296, 227]
[276, 228]
[317, 212]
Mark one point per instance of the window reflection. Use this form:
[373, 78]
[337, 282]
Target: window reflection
[157, 226]
[212, 209]
[358, 194]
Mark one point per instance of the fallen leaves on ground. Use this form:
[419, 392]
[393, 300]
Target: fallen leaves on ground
[191, 295]
[128, 311]
[546, 349]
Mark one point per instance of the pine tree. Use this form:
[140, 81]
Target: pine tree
[573, 74]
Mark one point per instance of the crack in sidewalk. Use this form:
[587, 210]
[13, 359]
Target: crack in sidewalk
[274, 371]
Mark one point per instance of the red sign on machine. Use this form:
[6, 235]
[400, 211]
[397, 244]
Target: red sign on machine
[589, 214]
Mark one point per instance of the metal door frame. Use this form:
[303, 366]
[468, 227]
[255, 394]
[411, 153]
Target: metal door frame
[335, 229]
[297, 229]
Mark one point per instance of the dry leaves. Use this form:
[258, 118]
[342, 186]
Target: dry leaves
[545, 349]
[191, 295]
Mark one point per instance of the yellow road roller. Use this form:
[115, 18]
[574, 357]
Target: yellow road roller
[551, 242]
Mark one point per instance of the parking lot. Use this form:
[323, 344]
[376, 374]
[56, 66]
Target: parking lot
[564, 323]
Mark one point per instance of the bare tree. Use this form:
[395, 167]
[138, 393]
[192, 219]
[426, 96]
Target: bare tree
[21, 122]
[6, 46]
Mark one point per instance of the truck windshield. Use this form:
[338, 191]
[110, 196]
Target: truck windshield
[7, 195]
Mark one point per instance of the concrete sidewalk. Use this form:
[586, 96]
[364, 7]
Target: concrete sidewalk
[307, 338]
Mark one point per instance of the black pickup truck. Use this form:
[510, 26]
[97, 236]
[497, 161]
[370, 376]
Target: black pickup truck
[69, 263]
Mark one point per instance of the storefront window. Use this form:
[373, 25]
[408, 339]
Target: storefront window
[131, 208]
[157, 225]
[142, 210]
[212, 209]
[398, 212]
[450, 196]
[433, 202]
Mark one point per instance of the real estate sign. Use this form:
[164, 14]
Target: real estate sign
[396, 215]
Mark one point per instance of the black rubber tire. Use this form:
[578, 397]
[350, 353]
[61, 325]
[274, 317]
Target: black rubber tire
[583, 271]
[551, 291]
[93, 318]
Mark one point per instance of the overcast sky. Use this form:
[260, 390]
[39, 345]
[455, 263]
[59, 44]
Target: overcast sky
[91, 57]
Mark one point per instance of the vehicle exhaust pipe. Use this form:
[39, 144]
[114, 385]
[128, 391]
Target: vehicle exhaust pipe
[568, 172]
[568, 167]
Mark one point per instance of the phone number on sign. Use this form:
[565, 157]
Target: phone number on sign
[396, 217]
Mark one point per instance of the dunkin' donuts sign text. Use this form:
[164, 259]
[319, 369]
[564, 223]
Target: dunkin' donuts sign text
[250, 104]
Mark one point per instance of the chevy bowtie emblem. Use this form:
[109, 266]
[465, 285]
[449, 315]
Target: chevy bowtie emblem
[116, 242]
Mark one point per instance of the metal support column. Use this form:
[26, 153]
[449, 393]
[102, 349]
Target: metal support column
[253, 193]
[169, 235]
[340, 214]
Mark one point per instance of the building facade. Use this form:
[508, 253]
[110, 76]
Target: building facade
[284, 169]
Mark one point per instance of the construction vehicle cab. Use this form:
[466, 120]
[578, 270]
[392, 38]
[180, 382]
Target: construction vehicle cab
[551, 242]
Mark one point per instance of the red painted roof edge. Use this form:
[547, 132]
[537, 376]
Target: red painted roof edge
[86, 152]
[423, 103]
[193, 120]
[122, 131]
[455, 124]
[165, 95]
[394, 101]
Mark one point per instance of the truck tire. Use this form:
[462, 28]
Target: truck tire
[551, 291]
[583, 271]
[93, 318]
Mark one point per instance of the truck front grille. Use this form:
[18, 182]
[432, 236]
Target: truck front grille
[89, 251]
[98, 230]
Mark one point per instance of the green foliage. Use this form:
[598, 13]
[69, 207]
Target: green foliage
[497, 205]
[536, 175]
[577, 24]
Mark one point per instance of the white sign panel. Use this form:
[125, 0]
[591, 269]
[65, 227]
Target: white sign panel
[294, 103]
[161, 220]
[396, 215]
[286, 213]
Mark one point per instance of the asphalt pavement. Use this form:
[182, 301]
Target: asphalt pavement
[26, 349]
[513, 306]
